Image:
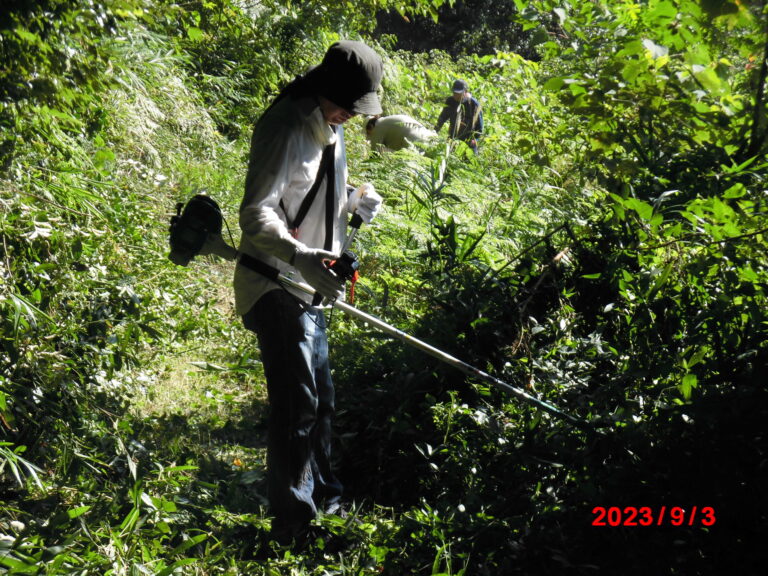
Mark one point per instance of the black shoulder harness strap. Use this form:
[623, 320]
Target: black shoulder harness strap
[326, 168]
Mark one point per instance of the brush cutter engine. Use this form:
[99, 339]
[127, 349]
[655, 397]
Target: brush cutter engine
[190, 227]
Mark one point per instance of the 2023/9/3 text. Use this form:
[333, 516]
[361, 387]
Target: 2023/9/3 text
[648, 516]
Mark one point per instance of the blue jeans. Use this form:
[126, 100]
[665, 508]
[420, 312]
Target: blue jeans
[294, 352]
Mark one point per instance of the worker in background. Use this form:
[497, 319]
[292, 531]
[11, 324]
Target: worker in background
[464, 114]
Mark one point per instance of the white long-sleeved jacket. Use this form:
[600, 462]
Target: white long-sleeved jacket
[399, 131]
[286, 149]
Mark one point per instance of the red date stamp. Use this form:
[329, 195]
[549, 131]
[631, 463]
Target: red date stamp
[653, 516]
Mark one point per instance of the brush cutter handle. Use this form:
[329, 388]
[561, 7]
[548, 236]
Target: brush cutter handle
[354, 225]
[356, 221]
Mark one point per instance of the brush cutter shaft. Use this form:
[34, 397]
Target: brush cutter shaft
[439, 354]
[354, 226]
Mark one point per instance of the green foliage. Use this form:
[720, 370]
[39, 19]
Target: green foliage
[678, 93]
[605, 251]
[654, 316]
[44, 80]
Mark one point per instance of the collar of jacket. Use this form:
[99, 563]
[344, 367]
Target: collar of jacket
[321, 130]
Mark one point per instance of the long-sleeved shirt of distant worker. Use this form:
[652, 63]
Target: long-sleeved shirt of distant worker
[397, 131]
[464, 114]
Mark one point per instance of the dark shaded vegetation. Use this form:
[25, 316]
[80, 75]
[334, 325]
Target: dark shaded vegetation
[463, 27]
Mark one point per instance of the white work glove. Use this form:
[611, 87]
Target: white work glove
[311, 264]
[364, 201]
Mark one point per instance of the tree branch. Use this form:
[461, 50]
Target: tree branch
[687, 237]
[758, 135]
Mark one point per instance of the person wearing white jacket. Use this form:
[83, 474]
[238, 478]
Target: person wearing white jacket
[293, 217]
[397, 131]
